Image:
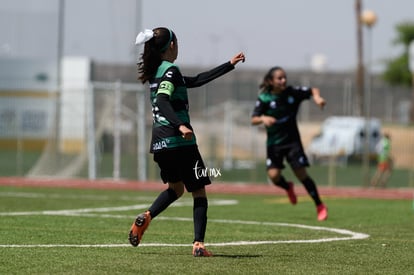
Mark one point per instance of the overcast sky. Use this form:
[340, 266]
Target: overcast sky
[270, 32]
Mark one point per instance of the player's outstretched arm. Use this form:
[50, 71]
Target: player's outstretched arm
[205, 77]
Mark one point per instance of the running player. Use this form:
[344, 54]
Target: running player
[384, 165]
[173, 142]
[277, 107]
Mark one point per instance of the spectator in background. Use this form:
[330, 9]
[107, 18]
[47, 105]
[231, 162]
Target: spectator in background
[384, 165]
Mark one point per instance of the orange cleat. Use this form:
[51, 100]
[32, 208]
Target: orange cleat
[138, 228]
[200, 251]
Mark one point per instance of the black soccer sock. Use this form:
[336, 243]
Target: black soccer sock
[163, 200]
[312, 190]
[282, 183]
[200, 218]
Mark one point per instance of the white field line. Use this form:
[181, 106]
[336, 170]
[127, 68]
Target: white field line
[349, 235]
[76, 212]
[89, 212]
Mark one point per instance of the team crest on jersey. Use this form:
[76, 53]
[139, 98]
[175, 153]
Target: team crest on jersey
[273, 104]
[268, 162]
[169, 74]
[303, 88]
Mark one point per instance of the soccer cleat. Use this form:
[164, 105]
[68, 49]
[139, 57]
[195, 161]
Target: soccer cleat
[322, 212]
[291, 194]
[200, 251]
[138, 228]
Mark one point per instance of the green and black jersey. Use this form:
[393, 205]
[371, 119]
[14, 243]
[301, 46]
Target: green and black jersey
[284, 107]
[170, 106]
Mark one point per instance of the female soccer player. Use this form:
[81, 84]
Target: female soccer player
[173, 141]
[277, 107]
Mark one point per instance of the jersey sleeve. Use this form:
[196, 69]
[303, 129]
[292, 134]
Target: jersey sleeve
[301, 92]
[169, 81]
[259, 108]
[165, 107]
[166, 88]
[205, 77]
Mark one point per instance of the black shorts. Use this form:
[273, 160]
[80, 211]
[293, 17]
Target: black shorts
[182, 164]
[293, 153]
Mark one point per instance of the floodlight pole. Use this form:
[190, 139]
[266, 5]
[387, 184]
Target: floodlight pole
[369, 19]
[367, 109]
[360, 58]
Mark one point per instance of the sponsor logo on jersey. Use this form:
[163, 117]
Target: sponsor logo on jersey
[159, 145]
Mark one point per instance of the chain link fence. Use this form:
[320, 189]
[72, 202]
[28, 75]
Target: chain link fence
[116, 120]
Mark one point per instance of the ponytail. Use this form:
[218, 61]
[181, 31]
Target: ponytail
[151, 58]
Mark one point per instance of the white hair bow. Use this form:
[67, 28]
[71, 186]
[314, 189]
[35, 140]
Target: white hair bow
[144, 36]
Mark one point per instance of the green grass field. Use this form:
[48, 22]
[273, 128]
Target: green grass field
[73, 231]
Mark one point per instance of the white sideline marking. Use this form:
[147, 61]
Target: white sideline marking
[88, 212]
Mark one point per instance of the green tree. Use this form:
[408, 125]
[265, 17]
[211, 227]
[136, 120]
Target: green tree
[397, 71]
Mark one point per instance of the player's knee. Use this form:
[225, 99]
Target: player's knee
[178, 188]
[200, 193]
[274, 175]
[180, 191]
[301, 173]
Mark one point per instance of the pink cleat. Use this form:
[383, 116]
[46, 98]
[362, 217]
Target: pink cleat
[322, 212]
[291, 194]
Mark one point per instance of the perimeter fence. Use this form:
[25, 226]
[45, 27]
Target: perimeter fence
[105, 132]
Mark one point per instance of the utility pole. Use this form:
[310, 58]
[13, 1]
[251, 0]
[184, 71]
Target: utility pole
[360, 57]
[411, 67]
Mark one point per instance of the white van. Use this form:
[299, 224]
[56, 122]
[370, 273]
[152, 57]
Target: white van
[344, 136]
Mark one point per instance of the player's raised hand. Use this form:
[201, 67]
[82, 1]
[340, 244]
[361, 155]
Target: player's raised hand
[237, 58]
[320, 101]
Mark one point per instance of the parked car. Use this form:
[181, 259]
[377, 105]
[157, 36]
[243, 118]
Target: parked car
[344, 137]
